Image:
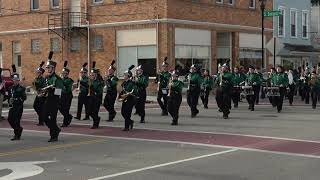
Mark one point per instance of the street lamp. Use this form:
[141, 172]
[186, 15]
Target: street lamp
[262, 7]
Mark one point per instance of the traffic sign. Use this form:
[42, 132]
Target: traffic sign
[271, 13]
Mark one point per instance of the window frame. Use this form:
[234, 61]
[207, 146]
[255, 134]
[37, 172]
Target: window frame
[54, 7]
[231, 4]
[284, 22]
[32, 7]
[94, 43]
[100, 2]
[51, 44]
[254, 4]
[296, 22]
[34, 51]
[307, 24]
[219, 2]
[72, 48]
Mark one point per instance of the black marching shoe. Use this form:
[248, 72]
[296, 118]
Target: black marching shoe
[86, 118]
[94, 127]
[142, 120]
[174, 123]
[77, 118]
[15, 138]
[125, 129]
[225, 116]
[53, 139]
[164, 113]
[64, 125]
[205, 106]
[131, 124]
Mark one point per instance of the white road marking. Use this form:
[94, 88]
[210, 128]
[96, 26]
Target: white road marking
[181, 142]
[22, 169]
[163, 165]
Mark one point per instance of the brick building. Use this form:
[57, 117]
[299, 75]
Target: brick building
[132, 31]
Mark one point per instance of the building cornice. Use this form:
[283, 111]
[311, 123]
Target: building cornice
[149, 21]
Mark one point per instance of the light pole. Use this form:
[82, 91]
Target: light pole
[262, 7]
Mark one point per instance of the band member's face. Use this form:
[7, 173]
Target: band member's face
[50, 70]
[206, 73]
[236, 70]
[16, 82]
[279, 69]
[251, 70]
[224, 68]
[313, 75]
[110, 72]
[193, 69]
[93, 76]
[65, 74]
[164, 67]
[139, 72]
[83, 74]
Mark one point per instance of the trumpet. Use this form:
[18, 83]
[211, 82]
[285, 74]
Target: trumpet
[44, 91]
[124, 97]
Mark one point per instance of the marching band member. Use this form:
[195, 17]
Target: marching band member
[174, 97]
[142, 82]
[111, 82]
[95, 93]
[253, 80]
[38, 84]
[128, 98]
[224, 90]
[280, 80]
[306, 88]
[272, 73]
[292, 85]
[207, 85]
[259, 83]
[163, 80]
[18, 96]
[83, 88]
[53, 88]
[314, 84]
[193, 92]
[238, 80]
[66, 96]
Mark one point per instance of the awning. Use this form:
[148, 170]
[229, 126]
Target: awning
[291, 50]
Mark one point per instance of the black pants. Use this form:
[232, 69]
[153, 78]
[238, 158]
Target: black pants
[291, 93]
[252, 98]
[141, 103]
[174, 102]
[94, 107]
[223, 99]
[38, 107]
[64, 108]
[257, 94]
[279, 99]
[192, 100]
[314, 98]
[14, 119]
[306, 91]
[126, 110]
[205, 97]
[236, 97]
[163, 105]
[301, 91]
[50, 111]
[109, 101]
[82, 100]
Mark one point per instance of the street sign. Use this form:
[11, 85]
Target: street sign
[271, 13]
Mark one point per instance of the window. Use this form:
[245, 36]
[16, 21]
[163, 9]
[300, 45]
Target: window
[252, 4]
[97, 1]
[305, 23]
[34, 4]
[230, 2]
[35, 45]
[55, 44]
[120, 1]
[55, 3]
[281, 23]
[75, 44]
[293, 23]
[16, 47]
[98, 42]
[219, 1]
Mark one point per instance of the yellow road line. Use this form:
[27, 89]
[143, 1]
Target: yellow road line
[48, 148]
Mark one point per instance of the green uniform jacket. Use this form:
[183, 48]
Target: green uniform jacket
[195, 80]
[260, 75]
[163, 78]
[56, 81]
[18, 93]
[207, 82]
[96, 87]
[39, 83]
[253, 79]
[227, 81]
[68, 84]
[238, 78]
[177, 86]
[142, 82]
[316, 87]
[281, 79]
[111, 83]
[128, 86]
[83, 85]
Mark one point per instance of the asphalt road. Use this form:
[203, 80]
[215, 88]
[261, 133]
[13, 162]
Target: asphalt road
[259, 145]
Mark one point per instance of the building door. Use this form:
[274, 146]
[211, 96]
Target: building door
[16, 47]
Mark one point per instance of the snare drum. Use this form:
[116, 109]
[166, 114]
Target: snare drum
[247, 90]
[272, 91]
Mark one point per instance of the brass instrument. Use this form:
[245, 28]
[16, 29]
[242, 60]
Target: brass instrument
[124, 97]
[221, 82]
[44, 91]
[170, 87]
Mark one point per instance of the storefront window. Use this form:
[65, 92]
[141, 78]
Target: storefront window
[250, 57]
[188, 55]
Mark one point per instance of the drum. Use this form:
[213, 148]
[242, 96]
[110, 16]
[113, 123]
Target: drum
[247, 90]
[272, 91]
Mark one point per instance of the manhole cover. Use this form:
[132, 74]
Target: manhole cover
[273, 116]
